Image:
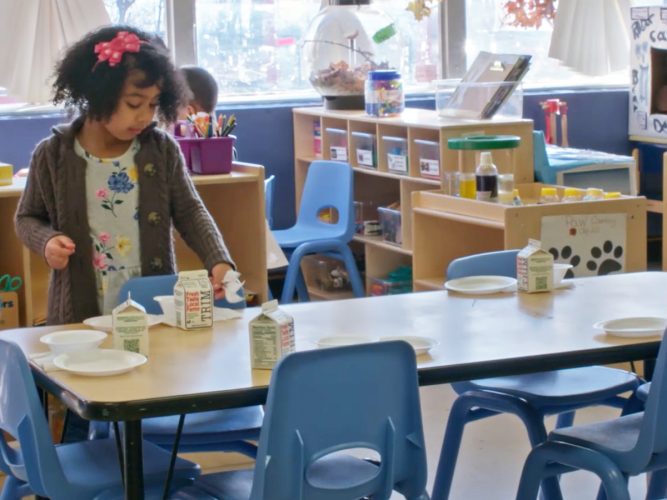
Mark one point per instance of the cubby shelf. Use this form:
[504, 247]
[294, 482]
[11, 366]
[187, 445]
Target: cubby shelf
[379, 185]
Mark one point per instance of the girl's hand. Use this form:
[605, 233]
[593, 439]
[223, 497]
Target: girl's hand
[217, 275]
[57, 251]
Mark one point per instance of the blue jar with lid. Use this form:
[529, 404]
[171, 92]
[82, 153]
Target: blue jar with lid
[383, 94]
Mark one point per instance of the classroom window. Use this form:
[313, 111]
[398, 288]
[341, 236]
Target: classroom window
[148, 15]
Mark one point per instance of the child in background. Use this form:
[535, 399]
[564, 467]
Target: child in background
[204, 90]
[82, 208]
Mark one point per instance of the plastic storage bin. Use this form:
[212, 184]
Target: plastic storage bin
[390, 220]
[397, 154]
[211, 155]
[337, 143]
[326, 273]
[428, 153]
[380, 286]
[366, 218]
[363, 145]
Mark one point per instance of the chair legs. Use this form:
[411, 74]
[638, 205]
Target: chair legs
[552, 458]
[294, 277]
[475, 405]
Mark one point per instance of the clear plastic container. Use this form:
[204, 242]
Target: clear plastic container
[572, 194]
[397, 154]
[505, 188]
[390, 220]
[384, 93]
[380, 286]
[428, 153]
[466, 185]
[549, 195]
[363, 145]
[594, 194]
[345, 41]
[337, 143]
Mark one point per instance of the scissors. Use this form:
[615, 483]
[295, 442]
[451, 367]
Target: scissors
[10, 283]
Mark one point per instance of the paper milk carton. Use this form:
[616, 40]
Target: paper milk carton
[130, 327]
[193, 300]
[534, 268]
[271, 336]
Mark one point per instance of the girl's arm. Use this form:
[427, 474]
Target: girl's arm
[32, 221]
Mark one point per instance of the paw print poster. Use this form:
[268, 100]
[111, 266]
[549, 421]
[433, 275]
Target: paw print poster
[593, 243]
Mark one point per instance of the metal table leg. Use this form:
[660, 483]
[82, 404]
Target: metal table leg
[134, 466]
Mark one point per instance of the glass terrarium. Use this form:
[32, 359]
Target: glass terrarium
[345, 41]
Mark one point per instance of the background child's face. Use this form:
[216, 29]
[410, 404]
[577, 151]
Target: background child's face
[135, 110]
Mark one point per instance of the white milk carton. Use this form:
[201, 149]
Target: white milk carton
[130, 327]
[534, 268]
[193, 300]
[271, 336]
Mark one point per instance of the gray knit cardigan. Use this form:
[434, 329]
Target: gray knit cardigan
[54, 202]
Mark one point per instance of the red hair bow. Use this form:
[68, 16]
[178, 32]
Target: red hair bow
[113, 51]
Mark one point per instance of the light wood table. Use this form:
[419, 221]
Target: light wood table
[235, 201]
[480, 336]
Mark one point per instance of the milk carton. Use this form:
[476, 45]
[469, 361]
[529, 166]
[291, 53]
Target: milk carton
[271, 336]
[193, 300]
[130, 327]
[534, 268]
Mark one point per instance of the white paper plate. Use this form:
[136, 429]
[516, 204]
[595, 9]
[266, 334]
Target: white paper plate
[641, 326]
[480, 285]
[99, 362]
[341, 340]
[73, 340]
[421, 345]
[104, 323]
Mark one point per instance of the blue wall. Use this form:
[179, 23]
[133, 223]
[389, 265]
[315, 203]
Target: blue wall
[596, 119]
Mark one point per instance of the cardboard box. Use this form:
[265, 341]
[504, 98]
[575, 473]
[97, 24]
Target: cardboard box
[130, 327]
[9, 310]
[193, 300]
[271, 336]
[534, 268]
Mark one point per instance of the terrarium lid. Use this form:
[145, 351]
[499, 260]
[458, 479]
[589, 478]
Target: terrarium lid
[384, 74]
[349, 2]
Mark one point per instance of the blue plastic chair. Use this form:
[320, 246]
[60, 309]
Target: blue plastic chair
[217, 430]
[613, 449]
[530, 397]
[83, 470]
[269, 187]
[321, 403]
[328, 185]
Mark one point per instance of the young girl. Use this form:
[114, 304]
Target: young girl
[103, 191]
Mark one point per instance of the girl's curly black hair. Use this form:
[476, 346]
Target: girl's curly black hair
[95, 90]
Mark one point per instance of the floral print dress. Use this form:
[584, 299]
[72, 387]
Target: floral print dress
[112, 196]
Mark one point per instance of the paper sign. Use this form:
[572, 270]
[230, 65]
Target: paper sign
[595, 244]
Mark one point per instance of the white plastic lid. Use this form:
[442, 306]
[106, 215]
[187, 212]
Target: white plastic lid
[485, 158]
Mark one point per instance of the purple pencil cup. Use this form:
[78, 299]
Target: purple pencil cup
[211, 155]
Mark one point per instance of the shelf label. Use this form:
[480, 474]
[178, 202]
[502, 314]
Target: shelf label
[397, 163]
[365, 157]
[338, 153]
[429, 168]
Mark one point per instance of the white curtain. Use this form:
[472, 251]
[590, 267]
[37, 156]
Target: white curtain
[592, 36]
[33, 34]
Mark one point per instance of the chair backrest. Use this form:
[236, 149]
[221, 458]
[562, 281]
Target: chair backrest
[328, 400]
[142, 290]
[329, 184]
[269, 187]
[500, 263]
[653, 433]
[540, 157]
[22, 416]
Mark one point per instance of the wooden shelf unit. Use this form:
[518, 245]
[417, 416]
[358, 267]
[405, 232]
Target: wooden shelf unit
[382, 187]
[446, 227]
[235, 201]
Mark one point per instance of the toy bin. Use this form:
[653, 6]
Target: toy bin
[397, 154]
[390, 221]
[337, 143]
[363, 144]
[428, 153]
[326, 273]
[208, 155]
[366, 218]
[381, 286]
